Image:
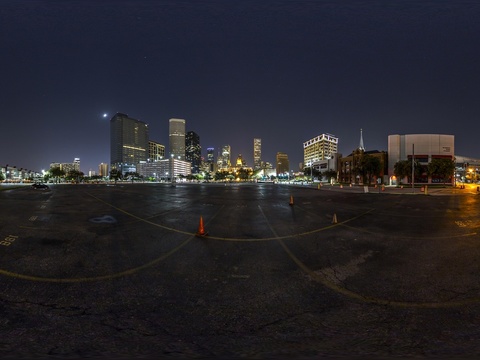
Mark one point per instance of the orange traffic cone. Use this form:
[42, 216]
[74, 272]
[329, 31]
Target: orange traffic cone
[291, 200]
[201, 230]
[334, 220]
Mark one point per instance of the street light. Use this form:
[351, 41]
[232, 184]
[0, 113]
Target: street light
[311, 172]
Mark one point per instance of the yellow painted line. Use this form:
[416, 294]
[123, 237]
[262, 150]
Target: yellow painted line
[96, 278]
[410, 237]
[141, 219]
[373, 300]
[111, 276]
[233, 239]
[363, 298]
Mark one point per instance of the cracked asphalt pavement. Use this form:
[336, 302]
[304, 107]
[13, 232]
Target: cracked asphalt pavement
[120, 271]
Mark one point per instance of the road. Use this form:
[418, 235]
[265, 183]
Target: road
[283, 271]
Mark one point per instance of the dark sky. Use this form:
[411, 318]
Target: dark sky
[284, 71]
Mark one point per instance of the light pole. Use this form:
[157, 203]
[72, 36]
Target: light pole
[172, 159]
[413, 168]
[311, 171]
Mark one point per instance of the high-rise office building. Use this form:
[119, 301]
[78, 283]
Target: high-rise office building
[224, 160]
[156, 151]
[283, 165]
[211, 159]
[103, 169]
[257, 153]
[193, 151]
[176, 136]
[128, 143]
[321, 147]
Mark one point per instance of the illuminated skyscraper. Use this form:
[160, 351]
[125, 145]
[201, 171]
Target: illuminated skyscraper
[193, 151]
[225, 157]
[211, 158]
[128, 142]
[103, 169]
[283, 165]
[176, 136]
[257, 153]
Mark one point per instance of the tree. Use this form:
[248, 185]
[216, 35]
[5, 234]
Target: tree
[74, 175]
[2, 177]
[371, 166]
[403, 168]
[243, 174]
[311, 171]
[221, 175]
[329, 174]
[115, 174]
[443, 168]
[56, 173]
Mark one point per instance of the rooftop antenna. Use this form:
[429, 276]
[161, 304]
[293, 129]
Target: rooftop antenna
[361, 147]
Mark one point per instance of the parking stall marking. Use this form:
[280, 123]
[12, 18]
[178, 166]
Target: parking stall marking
[8, 240]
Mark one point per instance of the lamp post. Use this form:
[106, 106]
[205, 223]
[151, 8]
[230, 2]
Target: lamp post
[311, 171]
[172, 160]
[413, 168]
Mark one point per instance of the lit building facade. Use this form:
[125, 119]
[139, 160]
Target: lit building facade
[224, 159]
[321, 147]
[240, 162]
[211, 159]
[128, 143]
[156, 151]
[193, 151]
[176, 137]
[103, 169]
[67, 167]
[163, 170]
[282, 163]
[422, 148]
[257, 153]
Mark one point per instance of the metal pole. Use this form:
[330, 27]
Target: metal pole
[413, 168]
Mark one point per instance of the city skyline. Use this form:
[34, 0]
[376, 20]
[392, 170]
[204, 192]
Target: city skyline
[281, 71]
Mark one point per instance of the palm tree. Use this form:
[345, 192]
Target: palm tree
[115, 175]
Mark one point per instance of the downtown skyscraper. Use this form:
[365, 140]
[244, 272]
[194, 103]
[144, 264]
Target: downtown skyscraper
[282, 163]
[257, 153]
[176, 138]
[193, 151]
[128, 143]
[211, 159]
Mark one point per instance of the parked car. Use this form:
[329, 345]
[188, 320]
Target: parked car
[40, 186]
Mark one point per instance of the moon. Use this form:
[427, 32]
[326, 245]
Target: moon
[105, 115]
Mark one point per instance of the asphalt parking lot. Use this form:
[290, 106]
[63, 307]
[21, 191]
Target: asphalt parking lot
[280, 272]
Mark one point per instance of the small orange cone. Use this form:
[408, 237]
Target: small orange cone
[291, 200]
[201, 229]
[334, 220]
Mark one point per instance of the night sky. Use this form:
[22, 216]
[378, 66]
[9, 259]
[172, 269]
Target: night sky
[284, 71]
